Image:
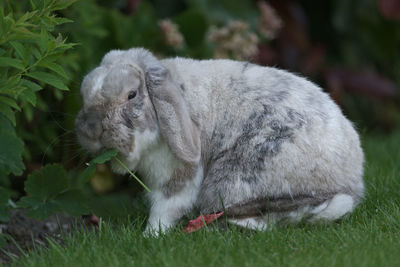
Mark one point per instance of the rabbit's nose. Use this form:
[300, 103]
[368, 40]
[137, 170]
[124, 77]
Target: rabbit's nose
[89, 124]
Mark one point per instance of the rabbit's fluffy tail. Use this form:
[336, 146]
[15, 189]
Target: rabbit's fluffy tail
[330, 210]
[333, 209]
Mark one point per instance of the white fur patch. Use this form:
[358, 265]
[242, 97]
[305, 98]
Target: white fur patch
[92, 84]
[166, 211]
[157, 164]
[338, 206]
[144, 141]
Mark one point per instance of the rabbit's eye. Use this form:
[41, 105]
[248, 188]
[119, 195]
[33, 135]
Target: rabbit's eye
[131, 95]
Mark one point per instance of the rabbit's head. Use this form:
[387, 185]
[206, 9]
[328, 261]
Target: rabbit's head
[130, 103]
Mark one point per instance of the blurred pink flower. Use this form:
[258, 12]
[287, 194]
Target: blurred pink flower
[173, 37]
[234, 40]
[269, 23]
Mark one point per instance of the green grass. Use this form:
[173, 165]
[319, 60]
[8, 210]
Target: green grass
[369, 237]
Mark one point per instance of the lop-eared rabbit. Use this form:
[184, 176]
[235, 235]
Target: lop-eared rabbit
[259, 143]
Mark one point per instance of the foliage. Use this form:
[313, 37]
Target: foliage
[5, 196]
[28, 62]
[91, 168]
[49, 192]
[29, 56]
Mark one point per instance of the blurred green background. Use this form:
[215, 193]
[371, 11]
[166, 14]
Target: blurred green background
[349, 47]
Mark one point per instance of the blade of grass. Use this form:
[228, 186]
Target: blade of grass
[131, 173]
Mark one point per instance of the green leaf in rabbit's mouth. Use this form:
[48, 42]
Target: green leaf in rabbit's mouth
[104, 157]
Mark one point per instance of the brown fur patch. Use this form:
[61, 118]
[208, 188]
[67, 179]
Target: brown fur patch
[178, 180]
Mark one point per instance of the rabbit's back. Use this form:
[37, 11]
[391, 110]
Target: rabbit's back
[267, 132]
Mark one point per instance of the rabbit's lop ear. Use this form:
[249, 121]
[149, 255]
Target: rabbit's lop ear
[176, 126]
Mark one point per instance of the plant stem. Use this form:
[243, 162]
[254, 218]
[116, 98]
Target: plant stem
[131, 173]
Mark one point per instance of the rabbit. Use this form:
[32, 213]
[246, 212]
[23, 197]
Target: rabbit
[259, 143]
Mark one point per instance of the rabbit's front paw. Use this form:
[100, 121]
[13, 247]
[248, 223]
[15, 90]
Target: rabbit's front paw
[157, 226]
[155, 230]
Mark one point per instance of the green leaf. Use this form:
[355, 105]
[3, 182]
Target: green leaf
[26, 16]
[51, 44]
[10, 102]
[7, 112]
[11, 62]
[6, 126]
[3, 240]
[31, 85]
[4, 181]
[11, 148]
[36, 53]
[28, 112]
[10, 83]
[49, 79]
[54, 67]
[23, 34]
[33, 5]
[88, 173]
[28, 95]
[62, 4]
[49, 193]
[28, 201]
[5, 195]
[106, 156]
[59, 21]
[72, 202]
[43, 40]
[21, 51]
[47, 183]
[39, 210]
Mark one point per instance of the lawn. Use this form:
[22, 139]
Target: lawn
[369, 237]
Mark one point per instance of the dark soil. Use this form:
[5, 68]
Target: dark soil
[24, 233]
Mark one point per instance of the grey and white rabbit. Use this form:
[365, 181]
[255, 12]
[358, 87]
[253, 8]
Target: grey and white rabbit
[260, 143]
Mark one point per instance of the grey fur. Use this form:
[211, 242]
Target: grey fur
[178, 180]
[262, 132]
[174, 120]
[220, 133]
